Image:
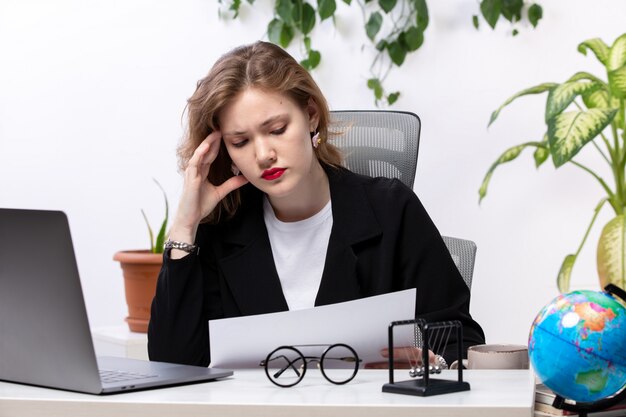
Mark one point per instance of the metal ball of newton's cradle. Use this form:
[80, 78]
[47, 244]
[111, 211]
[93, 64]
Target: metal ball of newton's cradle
[419, 371]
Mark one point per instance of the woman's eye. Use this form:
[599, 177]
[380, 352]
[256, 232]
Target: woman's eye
[240, 143]
[279, 131]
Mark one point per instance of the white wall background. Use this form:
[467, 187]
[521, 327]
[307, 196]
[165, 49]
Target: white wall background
[92, 93]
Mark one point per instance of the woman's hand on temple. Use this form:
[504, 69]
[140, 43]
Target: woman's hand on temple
[199, 197]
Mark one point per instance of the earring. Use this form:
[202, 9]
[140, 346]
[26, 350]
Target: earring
[234, 169]
[316, 140]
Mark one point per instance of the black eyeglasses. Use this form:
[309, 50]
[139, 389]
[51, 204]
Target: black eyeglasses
[286, 365]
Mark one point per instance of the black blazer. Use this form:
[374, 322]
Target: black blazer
[382, 240]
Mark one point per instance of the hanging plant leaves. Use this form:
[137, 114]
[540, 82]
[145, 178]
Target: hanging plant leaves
[387, 5]
[512, 10]
[312, 61]
[393, 97]
[617, 82]
[569, 132]
[597, 46]
[562, 96]
[397, 53]
[374, 84]
[475, 21]
[326, 8]
[535, 13]
[308, 19]
[279, 33]
[421, 14]
[413, 38]
[490, 10]
[372, 27]
[284, 9]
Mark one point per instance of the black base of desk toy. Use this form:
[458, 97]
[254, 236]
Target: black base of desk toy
[419, 388]
[427, 337]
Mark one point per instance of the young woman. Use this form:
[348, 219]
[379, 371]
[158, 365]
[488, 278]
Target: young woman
[269, 221]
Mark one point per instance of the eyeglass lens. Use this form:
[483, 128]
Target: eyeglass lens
[339, 364]
[285, 366]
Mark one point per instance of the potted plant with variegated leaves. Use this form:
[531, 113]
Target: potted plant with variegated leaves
[586, 110]
[141, 270]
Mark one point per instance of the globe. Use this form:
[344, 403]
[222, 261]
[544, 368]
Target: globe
[577, 345]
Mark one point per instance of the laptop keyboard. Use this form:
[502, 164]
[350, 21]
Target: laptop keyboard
[109, 376]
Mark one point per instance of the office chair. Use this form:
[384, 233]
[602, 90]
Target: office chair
[384, 143]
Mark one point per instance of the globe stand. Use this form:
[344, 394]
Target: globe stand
[425, 336]
[584, 408]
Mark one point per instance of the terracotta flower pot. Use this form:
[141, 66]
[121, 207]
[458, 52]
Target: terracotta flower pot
[141, 270]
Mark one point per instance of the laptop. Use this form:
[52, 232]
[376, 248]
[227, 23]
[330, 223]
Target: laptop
[45, 338]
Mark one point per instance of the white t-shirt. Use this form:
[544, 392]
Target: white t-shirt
[299, 250]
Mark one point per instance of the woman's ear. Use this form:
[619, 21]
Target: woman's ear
[314, 114]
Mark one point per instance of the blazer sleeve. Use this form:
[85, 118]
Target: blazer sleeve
[426, 264]
[178, 329]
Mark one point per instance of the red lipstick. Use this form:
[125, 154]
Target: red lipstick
[272, 173]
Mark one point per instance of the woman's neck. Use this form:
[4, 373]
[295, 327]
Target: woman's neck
[307, 201]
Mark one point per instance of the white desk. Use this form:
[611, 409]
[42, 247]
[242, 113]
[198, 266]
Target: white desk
[249, 393]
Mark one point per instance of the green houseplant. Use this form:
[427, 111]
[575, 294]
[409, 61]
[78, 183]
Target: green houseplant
[586, 110]
[141, 270]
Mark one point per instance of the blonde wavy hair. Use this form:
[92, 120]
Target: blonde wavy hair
[261, 65]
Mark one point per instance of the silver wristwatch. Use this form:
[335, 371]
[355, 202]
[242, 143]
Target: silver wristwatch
[185, 247]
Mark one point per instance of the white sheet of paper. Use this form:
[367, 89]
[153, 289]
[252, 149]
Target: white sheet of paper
[243, 342]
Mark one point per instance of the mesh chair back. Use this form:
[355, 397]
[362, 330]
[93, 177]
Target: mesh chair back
[385, 143]
[379, 143]
[463, 254]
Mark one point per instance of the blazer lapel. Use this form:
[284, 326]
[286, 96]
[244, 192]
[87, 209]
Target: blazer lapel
[353, 222]
[249, 268]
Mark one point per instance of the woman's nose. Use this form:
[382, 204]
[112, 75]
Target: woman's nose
[265, 151]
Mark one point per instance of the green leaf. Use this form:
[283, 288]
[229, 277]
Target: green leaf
[381, 45]
[598, 47]
[307, 43]
[413, 38]
[512, 10]
[236, 4]
[612, 253]
[515, 32]
[387, 5]
[617, 82]
[542, 153]
[538, 89]
[150, 233]
[569, 132]
[308, 19]
[326, 8]
[160, 239]
[373, 25]
[284, 9]
[535, 13]
[421, 16]
[565, 272]
[374, 84]
[560, 97]
[274, 29]
[314, 58]
[582, 75]
[490, 10]
[617, 54]
[393, 97]
[596, 99]
[348, 2]
[397, 52]
[475, 21]
[507, 156]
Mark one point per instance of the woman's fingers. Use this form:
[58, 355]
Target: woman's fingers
[230, 185]
[408, 353]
